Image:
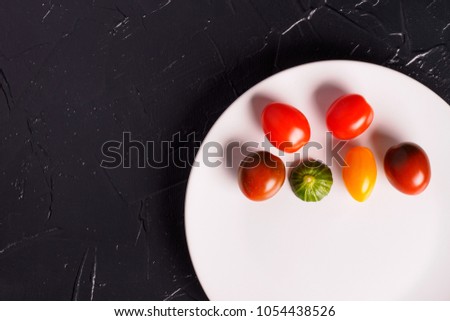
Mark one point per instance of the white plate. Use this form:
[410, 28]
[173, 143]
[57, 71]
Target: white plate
[391, 247]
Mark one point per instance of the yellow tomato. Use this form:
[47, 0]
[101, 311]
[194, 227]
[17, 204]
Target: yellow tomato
[360, 173]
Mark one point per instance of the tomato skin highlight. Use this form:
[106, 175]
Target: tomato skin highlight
[407, 168]
[285, 127]
[349, 116]
[261, 175]
[361, 173]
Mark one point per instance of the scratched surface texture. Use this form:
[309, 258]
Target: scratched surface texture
[74, 74]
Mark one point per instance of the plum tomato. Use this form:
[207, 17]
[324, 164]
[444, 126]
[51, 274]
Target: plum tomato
[285, 127]
[360, 174]
[261, 174]
[407, 168]
[349, 116]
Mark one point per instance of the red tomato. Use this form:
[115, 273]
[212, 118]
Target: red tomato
[261, 175]
[349, 116]
[407, 168]
[285, 127]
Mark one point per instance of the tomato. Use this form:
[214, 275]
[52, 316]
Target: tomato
[311, 180]
[285, 127]
[349, 116]
[261, 175]
[360, 174]
[407, 168]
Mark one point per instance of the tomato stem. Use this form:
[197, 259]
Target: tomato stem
[309, 180]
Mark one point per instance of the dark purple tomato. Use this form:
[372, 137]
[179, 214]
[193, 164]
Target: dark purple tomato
[407, 168]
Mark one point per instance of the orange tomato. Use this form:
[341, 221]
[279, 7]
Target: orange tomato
[360, 174]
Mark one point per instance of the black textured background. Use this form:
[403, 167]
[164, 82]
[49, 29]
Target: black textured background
[76, 73]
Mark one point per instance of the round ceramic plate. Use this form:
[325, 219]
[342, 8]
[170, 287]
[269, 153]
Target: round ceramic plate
[391, 247]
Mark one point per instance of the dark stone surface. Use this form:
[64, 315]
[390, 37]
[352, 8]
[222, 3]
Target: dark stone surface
[75, 74]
